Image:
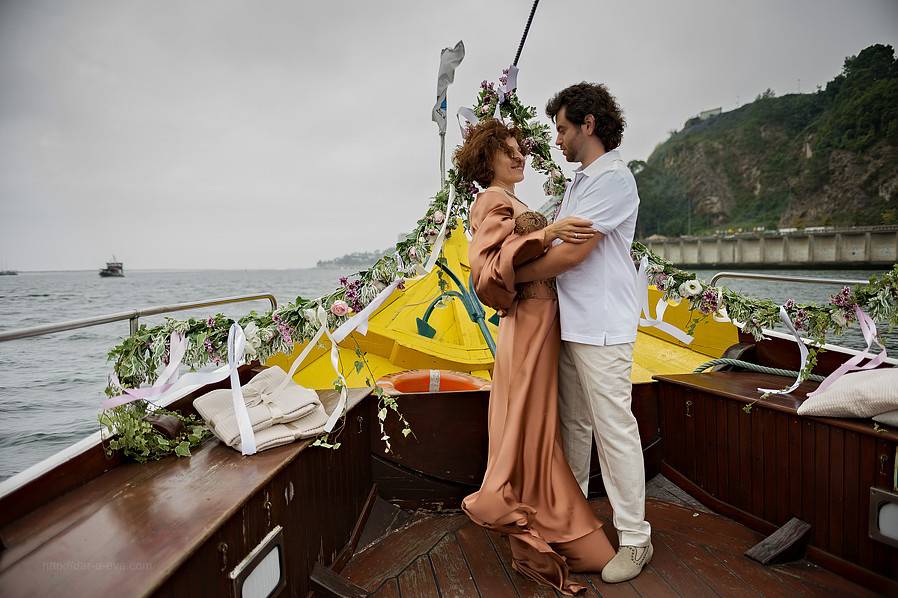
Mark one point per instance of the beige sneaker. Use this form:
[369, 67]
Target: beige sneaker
[627, 563]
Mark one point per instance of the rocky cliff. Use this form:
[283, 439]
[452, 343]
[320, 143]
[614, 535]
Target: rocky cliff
[823, 158]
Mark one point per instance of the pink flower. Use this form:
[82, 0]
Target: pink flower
[438, 217]
[413, 253]
[339, 308]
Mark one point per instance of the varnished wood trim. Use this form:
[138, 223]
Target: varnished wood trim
[695, 382]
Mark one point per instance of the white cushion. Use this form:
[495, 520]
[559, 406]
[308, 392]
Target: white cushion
[857, 394]
[890, 418]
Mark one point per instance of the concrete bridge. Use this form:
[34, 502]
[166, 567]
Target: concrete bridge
[817, 248]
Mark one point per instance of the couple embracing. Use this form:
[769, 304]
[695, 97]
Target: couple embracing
[567, 293]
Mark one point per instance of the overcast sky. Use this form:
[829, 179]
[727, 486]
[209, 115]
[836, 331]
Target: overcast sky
[248, 134]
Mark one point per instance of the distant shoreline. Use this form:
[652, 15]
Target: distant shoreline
[161, 270]
[738, 267]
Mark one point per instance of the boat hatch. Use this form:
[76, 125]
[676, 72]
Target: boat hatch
[262, 572]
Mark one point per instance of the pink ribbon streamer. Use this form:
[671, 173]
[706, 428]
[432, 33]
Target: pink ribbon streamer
[165, 380]
[868, 327]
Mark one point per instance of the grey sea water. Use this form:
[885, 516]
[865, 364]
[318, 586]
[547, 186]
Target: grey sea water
[51, 386]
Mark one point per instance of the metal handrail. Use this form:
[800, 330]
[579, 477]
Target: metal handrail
[133, 316]
[777, 277]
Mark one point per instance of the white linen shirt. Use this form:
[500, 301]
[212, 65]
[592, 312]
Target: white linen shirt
[597, 297]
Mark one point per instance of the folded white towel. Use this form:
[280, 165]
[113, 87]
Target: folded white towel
[278, 434]
[270, 409]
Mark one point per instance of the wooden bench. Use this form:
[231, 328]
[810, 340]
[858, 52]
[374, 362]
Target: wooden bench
[179, 526]
[765, 466]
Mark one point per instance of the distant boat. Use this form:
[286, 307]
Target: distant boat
[8, 273]
[113, 269]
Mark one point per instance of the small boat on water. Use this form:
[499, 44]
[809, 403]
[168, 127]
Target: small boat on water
[8, 273]
[113, 269]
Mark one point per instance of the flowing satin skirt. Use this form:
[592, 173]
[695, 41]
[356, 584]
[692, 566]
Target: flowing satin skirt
[528, 490]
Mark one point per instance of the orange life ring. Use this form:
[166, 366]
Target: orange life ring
[424, 381]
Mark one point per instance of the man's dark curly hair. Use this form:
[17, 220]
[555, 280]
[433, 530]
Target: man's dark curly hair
[591, 98]
[474, 159]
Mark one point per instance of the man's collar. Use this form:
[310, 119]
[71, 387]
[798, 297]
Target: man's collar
[604, 162]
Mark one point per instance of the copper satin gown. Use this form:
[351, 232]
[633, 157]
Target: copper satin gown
[528, 490]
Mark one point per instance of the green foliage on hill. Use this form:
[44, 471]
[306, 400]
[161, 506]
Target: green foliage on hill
[829, 157]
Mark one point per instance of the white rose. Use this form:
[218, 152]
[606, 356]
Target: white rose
[690, 288]
[253, 342]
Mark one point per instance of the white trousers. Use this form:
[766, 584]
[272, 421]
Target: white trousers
[594, 399]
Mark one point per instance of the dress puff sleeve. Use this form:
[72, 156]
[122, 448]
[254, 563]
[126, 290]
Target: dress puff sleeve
[496, 249]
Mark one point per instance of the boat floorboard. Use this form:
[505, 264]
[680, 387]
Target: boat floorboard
[697, 553]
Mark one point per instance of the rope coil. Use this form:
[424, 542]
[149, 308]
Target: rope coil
[753, 367]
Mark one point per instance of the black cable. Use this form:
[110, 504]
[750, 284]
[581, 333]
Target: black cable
[526, 30]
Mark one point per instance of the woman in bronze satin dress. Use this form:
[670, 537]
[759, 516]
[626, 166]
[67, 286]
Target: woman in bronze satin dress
[528, 490]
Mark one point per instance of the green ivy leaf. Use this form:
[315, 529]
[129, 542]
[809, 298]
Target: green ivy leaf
[183, 449]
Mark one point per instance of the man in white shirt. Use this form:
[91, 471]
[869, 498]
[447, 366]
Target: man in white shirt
[597, 299]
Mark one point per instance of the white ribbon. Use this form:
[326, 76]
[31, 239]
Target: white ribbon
[437, 246]
[236, 351]
[721, 314]
[868, 327]
[511, 83]
[658, 321]
[337, 413]
[467, 115]
[784, 316]
[177, 348]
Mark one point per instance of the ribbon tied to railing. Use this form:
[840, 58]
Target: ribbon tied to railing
[871, 335]
[787, 321]
[165, 381]
[658, 321]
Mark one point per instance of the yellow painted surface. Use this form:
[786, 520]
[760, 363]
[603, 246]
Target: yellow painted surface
[393, 344]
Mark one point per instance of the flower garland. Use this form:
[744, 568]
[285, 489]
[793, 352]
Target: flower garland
[879, 298]
[138, 359]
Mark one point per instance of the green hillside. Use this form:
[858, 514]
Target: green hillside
[823, 158]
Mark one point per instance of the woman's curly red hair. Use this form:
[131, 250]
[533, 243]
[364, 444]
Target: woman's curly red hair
[474, 159]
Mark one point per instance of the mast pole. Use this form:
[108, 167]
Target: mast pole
[526, 31]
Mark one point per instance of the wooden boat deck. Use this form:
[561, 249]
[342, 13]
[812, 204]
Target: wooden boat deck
[697, 553]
